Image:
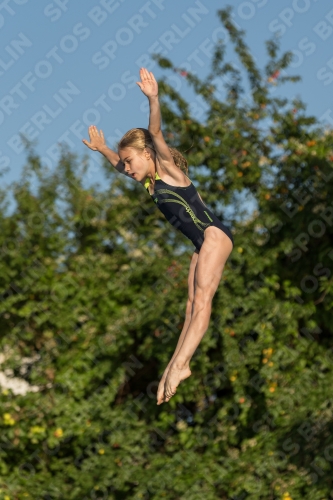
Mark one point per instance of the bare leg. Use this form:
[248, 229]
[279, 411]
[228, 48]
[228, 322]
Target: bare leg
[212, 258]
[160, 390]
[188, 316]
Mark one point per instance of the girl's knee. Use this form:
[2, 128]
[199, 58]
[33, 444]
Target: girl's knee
[201, 301]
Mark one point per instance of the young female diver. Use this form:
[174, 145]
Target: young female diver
[144, 155]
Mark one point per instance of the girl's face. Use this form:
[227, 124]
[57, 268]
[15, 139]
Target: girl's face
[137, 163]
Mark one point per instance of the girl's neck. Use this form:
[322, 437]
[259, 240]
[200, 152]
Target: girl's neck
[151, 175]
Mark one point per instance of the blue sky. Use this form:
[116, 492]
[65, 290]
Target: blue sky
[65, 64]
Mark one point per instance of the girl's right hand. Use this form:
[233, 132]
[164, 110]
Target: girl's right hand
[148, 84]
[97, 141]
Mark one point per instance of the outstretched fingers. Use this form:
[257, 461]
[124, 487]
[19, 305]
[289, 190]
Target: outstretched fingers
[148, 84]
[93, 130]
[97, 139]
[146, 75]
[85, 141]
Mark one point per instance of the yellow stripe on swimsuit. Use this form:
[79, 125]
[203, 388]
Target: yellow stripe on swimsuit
[183, 209]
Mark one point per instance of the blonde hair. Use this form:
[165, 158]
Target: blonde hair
[140, 138]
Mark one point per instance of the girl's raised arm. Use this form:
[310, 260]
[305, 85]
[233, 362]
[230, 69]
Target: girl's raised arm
[97, 143]
[149, 87]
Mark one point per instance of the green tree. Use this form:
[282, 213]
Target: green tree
[94, 290]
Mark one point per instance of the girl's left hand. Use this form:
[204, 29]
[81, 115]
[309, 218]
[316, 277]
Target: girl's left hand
[148, 84]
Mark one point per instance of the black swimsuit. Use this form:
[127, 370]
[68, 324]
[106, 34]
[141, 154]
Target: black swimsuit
[185, 211]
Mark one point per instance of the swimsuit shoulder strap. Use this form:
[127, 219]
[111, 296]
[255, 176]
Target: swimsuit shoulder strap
[157, 177]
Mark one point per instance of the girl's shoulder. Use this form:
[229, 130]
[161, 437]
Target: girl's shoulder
[171, 174]
[177, 179]
[183, 180]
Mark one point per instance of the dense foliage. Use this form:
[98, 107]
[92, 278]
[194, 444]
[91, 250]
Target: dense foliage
[93, 294]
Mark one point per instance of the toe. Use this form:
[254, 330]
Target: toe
[169, 395]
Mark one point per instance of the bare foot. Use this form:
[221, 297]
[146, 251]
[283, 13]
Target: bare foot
[177, 372]
[160, 390]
